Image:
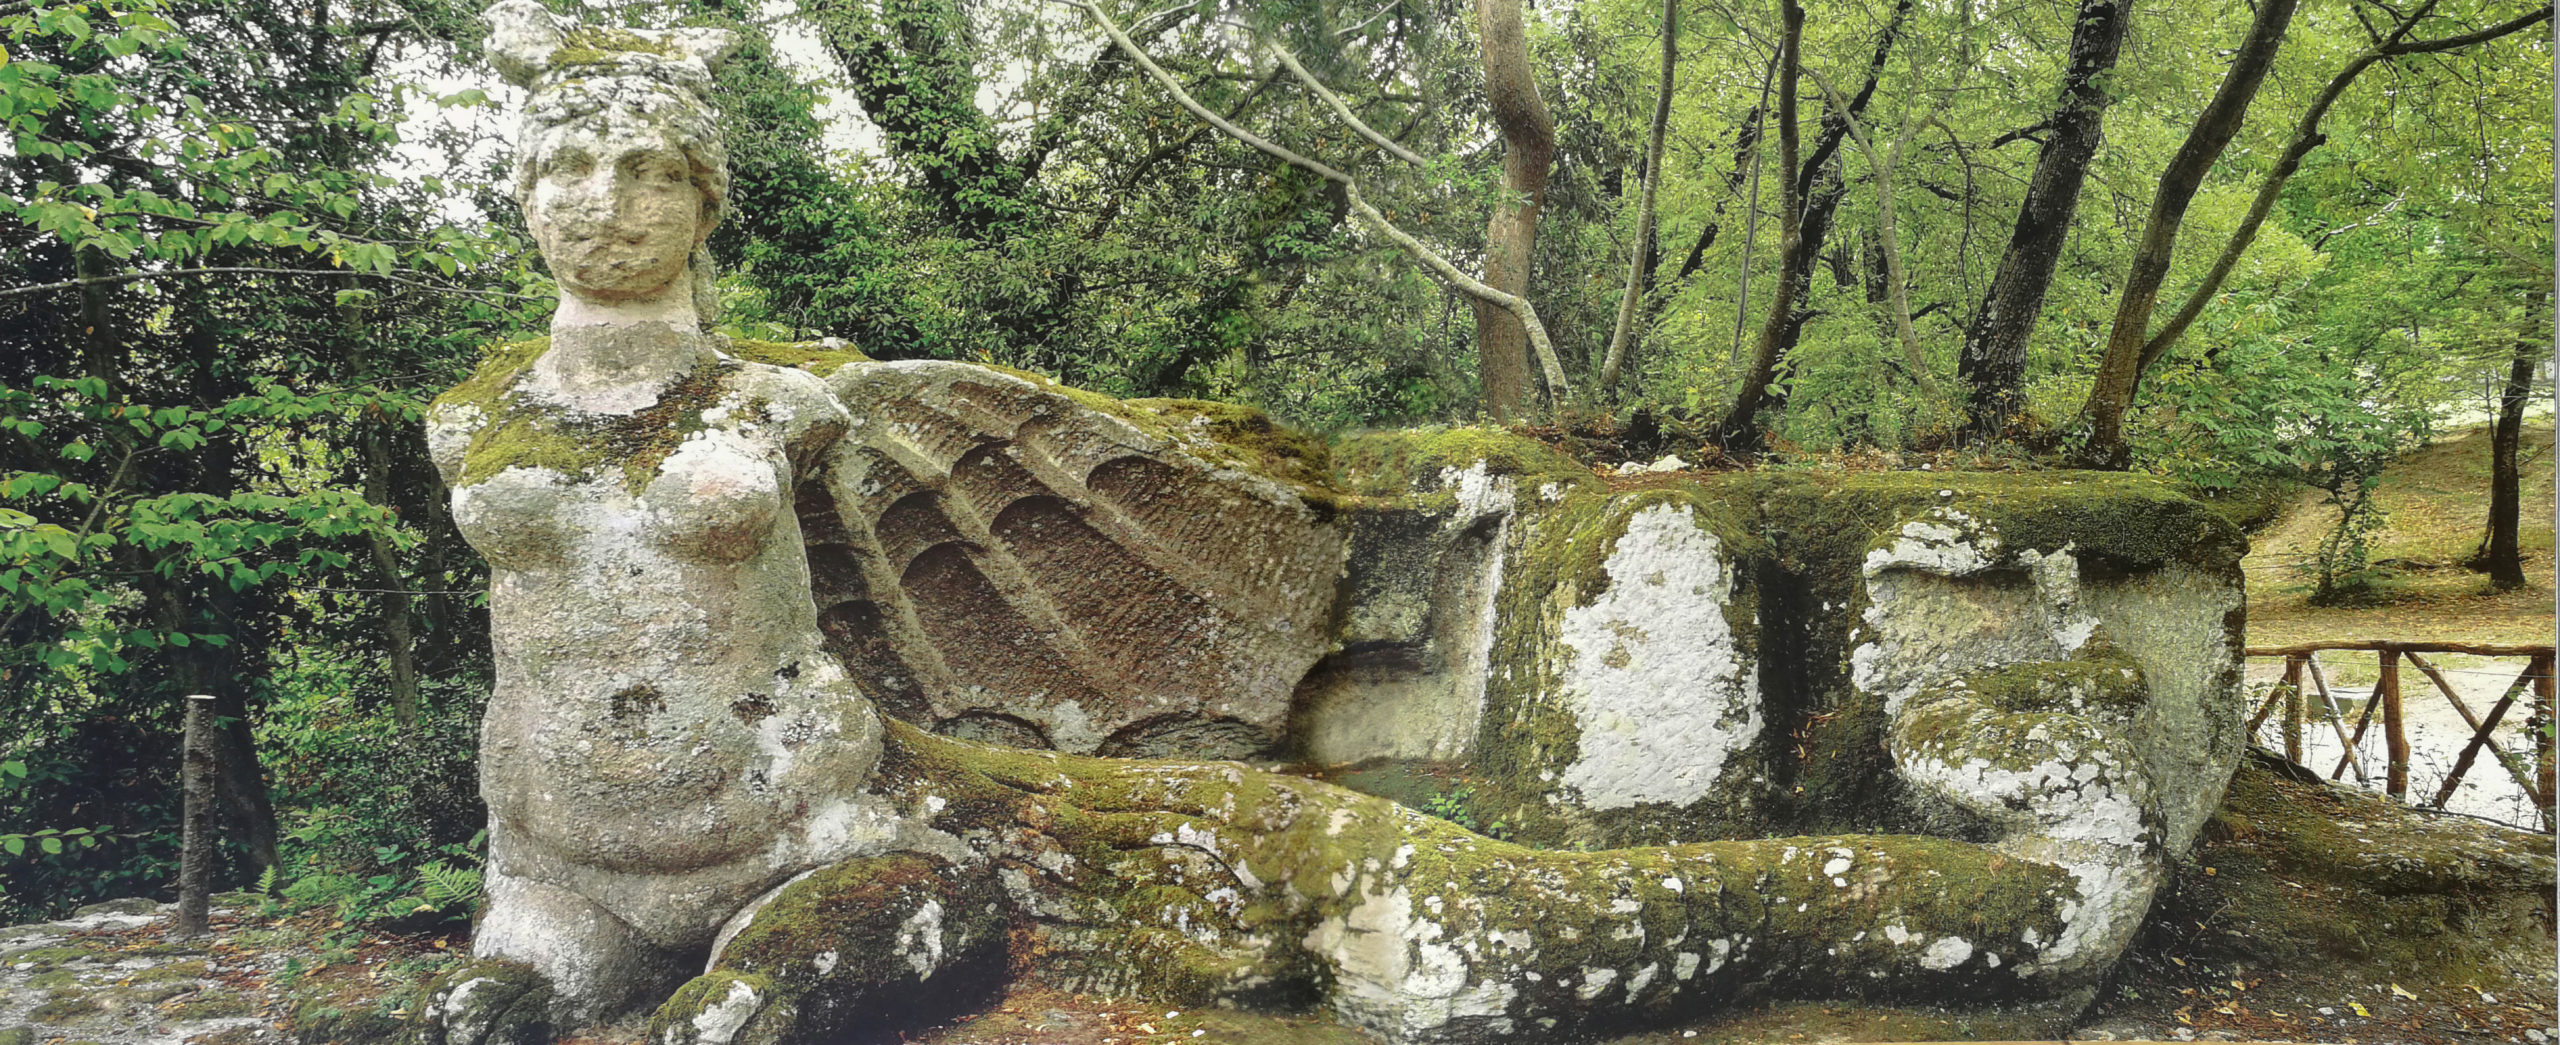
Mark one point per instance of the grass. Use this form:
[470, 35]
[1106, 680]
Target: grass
[2438, 500]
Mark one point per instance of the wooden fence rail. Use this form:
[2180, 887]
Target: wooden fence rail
[2301, 661]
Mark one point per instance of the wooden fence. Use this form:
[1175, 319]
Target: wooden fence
[2533, 776]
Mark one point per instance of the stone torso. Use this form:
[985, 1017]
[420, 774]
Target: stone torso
[662, 710]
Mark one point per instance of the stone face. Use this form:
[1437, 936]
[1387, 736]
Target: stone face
[1005, 560]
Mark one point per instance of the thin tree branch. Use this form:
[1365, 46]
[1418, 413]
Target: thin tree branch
[1515, 304]
[2306, 137]
[138, 275]
[1518, 306]
[1881, 173]
[1333, 101]
[1637, 265]
[1183, 98]
[97, 504]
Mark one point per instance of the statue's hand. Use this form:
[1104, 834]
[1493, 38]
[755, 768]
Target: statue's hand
[488, 1001]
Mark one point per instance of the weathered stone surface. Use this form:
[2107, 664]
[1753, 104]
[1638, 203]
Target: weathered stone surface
[1823, 734]
[81, 979]
[667, 739]
[1015, 562]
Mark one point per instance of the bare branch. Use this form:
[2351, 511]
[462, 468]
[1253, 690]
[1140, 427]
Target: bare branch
[1183, 98]
[1515, 304]
[1518, 306]
[1642, 260]
[220, 270]
[1333, 101]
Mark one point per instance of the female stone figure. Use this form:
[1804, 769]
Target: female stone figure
[681, 779]
[665, 741]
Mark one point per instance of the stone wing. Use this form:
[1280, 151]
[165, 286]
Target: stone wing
[999, 557]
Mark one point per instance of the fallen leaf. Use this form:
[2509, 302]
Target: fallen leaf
[2182, 963]
[2360, 1009]
[2403, 992]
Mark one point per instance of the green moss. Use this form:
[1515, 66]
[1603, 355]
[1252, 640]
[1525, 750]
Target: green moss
[673, 1020]
[1560, 562]
[2099, 678]
[598, 45]
[173, 971]
[495, 377]
[64, 1006]
[1391, 464]
[1224, 435]
[46, 956]
[151, 993]
[2129, 521]
[816, 357]
[2301, 874]
[213, 1006]
[55, 978]
[1773, 895]
[18, 1036]
[516, 435]
[847, 933]
[512, 1003]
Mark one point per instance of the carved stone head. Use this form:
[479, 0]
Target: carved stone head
[619, 166]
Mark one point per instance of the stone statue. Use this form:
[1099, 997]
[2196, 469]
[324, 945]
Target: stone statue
[1817, 735]
[665, 739]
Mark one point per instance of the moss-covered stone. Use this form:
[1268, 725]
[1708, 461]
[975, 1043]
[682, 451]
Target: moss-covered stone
[865, 945]
[47, 956]
[212, 1005]
[1558, 563]
[486, 1002]
[580, 447]
[2300, 873]
[598, 45]
[1392, 464]
[1223, 435]
[817, 357]
[172, 972]
[1217, 868]
[66, 1005]
[17, 1036]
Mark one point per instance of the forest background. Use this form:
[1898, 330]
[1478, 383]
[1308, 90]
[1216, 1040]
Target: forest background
[2252, 247]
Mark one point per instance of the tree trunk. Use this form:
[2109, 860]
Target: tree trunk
[2306, 137]
[1804, 218]
[2120, 369]
[202, 667]
[1640, 268]
[1887, 286]
[1511, 236]
[1741, 426]
[397, 633]
[196, 848]
[1994, 361]
[374, 446]
[2499, 554]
